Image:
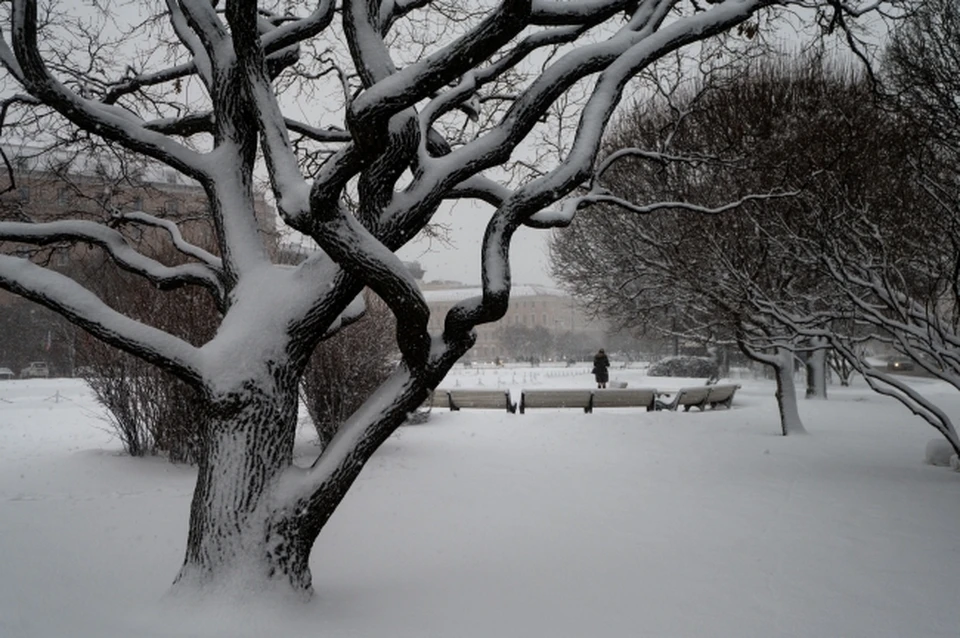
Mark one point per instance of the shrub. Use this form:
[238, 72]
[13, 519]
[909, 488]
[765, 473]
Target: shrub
[346, 368]
[150, 410]
[684, 366]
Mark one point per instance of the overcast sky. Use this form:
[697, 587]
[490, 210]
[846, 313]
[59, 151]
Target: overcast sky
[460, 261]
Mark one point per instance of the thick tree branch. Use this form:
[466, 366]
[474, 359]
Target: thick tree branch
[68, 298]
[119, 250]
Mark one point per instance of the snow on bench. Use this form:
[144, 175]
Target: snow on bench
[701, 397]
[625, 398]
[722, 395]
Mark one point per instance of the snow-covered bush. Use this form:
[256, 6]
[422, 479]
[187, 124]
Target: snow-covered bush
[939, 452]
[684, 366]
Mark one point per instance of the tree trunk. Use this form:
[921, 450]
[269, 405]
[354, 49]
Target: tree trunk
[816, 368]
[790, 422]
[240, 539]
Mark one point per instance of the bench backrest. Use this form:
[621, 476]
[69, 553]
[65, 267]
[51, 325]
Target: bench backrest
[569, 398]
[721, 393]
[439, 398]
[695, 395]
[625, 398]
[480, 399]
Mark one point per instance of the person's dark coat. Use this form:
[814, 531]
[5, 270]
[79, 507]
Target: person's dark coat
[600, 367]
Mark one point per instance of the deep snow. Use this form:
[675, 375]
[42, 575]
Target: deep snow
[482, 524]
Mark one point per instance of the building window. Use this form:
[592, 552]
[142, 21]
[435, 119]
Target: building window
[24, 192]
[63, 196]
[171, 206]
[137, 203]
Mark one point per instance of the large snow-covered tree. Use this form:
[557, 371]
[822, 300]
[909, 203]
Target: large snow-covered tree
[433, 96]
[772, 137]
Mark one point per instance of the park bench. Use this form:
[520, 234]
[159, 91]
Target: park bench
[702, 396]
[568, 398]
[625, 398]
[722, 395]
[481, 399]
[456, 399]
[439, 398]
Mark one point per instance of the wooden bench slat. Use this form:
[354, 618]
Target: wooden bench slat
[481, 399]
[439, 398]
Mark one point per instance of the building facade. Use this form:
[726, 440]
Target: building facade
[44, 187]
[533, 307]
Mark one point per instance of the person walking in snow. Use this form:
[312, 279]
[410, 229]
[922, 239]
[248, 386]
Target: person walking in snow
[600, 365]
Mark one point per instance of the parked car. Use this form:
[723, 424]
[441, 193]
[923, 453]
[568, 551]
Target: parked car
[35, 369]
[900, 364]
[6, 373]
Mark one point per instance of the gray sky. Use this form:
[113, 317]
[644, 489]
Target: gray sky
[460, 261]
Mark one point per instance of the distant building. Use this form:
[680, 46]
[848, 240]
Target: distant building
[48, 186]
[55, 185]
[531, 306]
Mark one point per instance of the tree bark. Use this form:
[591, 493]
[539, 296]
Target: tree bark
[790, 422]
[240, 538]
[816, 368]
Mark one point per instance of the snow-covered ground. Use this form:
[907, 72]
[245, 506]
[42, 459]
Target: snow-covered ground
[482, 524]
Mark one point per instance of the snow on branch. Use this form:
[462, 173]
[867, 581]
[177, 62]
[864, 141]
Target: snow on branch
[176, 237]
[201, 58]
[70, 299]
[390, 91]
[546, 220]
[296, 30]
[305, 488]
[317, 134]
[119, 250]
[290, 189]
[555, 13]
[360, 253]
[205, 26]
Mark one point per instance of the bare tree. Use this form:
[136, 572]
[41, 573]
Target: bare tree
[765, 139]
[421, 117]
[898, 276]
[897, 265]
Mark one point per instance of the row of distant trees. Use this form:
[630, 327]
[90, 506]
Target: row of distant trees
[846, 234]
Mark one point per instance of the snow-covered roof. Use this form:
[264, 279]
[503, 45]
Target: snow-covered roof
[520, 290]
